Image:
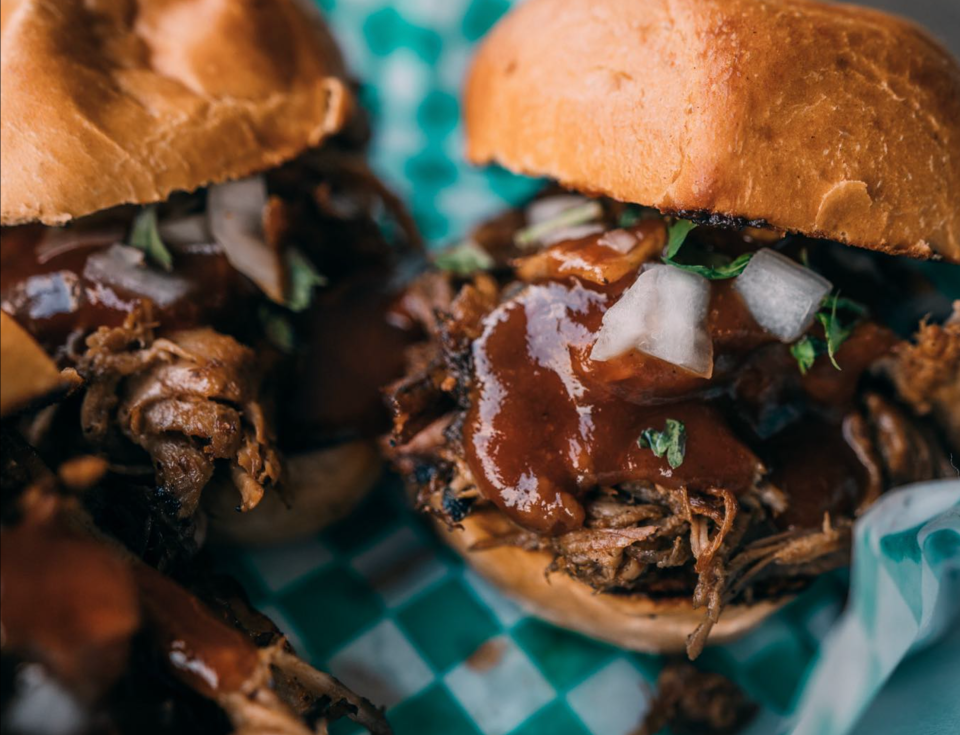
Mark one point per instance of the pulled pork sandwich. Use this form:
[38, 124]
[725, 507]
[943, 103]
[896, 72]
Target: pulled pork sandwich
[671, 396]
[190, 228]
[96, 641]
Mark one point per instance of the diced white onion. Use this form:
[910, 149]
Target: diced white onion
[235, 216]
[620, 240]
[59, 240]
[782, 295]
[664, 314]
[124, 267]
[187, 229]
[573, 232]
[546, 209]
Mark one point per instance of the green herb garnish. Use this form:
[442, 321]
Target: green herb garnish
[277, 329]
[145, 236]
[633, 214]
[835, 331]
[303, 277]
[712, 266]
[807, 349]
[672, 442]
[464, 259]
[722, 270]
[676, 236]
[578, 215]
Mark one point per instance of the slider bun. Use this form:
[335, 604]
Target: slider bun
[826, 119]
[319, 487]
[127, 101]
[27, 374]
[629, 621]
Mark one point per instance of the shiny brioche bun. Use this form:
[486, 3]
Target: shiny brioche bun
[27, 374]
[830, 120]
[319, 487]
[630, 621]
[126, 101]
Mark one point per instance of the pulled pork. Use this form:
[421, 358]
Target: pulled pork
[189, 399]
[927, 373]
[711, 544]
[693, 701]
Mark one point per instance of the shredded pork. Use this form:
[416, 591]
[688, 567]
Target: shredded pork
[189, 399]
[692, 701]
[712, 546]
[927, 373]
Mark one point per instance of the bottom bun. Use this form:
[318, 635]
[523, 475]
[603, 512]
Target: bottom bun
[319, 488]
[629, 621]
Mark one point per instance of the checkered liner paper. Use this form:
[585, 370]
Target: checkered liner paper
[380, 603]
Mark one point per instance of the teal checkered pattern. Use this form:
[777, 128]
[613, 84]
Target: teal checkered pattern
[377, 601]
[418, 51]
[380, 603]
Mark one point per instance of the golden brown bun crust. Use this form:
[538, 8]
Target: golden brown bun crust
[27, 374]
[126, 101]
[319, 488]
[831, 120]
[635, 622]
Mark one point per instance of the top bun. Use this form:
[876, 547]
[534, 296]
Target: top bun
[126, 101]
[829, 120]
[27, 373]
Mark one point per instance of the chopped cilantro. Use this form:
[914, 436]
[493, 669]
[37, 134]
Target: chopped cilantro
[672, 442]
[464, 259]
[807, 349]
[303, 277]
[145, 236]
[633, 214]
[677, 235]
[277, 329]
[712, 266]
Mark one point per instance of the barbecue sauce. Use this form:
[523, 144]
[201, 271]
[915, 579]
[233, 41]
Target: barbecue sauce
[52, 294]
[547, 424]
[205, 653]
[68, 601]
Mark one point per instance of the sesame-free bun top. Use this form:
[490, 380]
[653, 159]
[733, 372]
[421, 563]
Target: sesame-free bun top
[108, 102]
[825, 119]
[27, 374]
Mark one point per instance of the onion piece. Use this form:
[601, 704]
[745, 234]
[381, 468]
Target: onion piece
[235, 216]
[58, 240]
[546, 209]
[621, 240]
[124, 267]
[574, 232]
[556, 229]
[663, 314]
[189, 229]
[782, 295]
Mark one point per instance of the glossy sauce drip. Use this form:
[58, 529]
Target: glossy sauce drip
[51, 294]
[204, 652]
[546, 423]
[67, 601]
